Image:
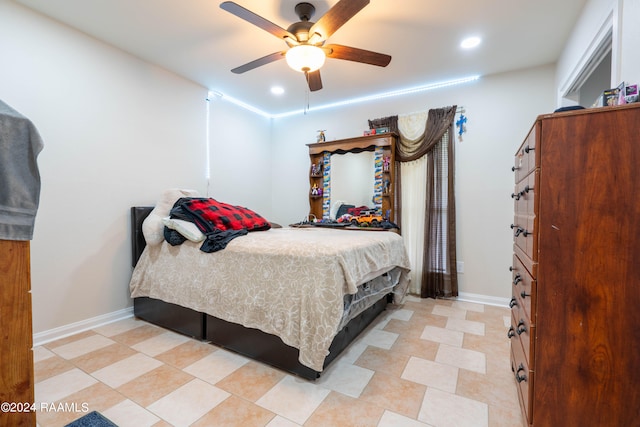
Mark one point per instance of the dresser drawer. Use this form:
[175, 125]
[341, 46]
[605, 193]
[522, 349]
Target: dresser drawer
[524, 196]
[530, 265]
[526, 156]
[525, 234]
[524, 379]
[523, 329]
[523, 290]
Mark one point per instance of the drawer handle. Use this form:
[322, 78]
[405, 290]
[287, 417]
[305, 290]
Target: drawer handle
[511, 268]
[516, 196]
[511, 333]
[522, 377]
[522, 328]
[517, 279]
[527, 149]
[513, 169]
[523, 192]
[523, 294]
[526, 233]
[513, 303]
[519, 231]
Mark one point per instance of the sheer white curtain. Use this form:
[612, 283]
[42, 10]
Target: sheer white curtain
[414, 177]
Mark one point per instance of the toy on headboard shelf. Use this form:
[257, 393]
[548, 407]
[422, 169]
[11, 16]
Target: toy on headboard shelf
[321, 137]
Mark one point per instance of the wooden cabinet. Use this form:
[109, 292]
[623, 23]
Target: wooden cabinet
[576, 269]
[16, 356]
[319, 196]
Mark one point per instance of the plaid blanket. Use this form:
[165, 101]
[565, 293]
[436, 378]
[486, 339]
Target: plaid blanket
[210, 215]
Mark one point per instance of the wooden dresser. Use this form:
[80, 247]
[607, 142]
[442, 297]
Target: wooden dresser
[16, 356]
[575, 349]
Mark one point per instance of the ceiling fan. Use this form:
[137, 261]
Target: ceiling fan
[306, 40]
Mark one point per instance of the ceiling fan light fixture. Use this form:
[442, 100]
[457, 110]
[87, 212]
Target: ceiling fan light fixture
[305, 58]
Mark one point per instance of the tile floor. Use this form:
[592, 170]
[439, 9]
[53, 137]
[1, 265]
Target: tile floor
[428, 362]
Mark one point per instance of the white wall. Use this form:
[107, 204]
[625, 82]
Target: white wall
[240, 157]
[117, 131]
[500, 109]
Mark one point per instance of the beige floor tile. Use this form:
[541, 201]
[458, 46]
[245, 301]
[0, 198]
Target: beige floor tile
[442, 335]
[506, 417]
[403, 328]
[417, 347]
[97, 397]
[186, 354]
[129, 414]
[391, 419]
[126, 370]
[188, 403]
[391, 362]
[466, 326]
[235, 412]
[445, 409]
[468, 306]
[50, 367]
[279, 421]
[119, 327]
[82, 346]
[402, 371]
[251, 381]
[103, 357]
[462, 358]
[343, 411]
[379, 338]
[498, 390]
[353, 351]
[442, 310]
[346, 378]
[395, 394]
[306, 395]
[133, 336]
[216, 366]
[160, 343]
[69, 339]
[41, 353]
[62, 385]
[432, 374]
[155, 384]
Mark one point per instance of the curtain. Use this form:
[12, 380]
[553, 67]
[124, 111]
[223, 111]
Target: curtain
[439, 276]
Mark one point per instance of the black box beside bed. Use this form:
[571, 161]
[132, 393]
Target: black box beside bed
[250, 342]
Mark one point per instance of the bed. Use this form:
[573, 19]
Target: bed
[291, 298]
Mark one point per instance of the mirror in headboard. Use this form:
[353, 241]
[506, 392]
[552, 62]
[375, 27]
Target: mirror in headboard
[356, 171]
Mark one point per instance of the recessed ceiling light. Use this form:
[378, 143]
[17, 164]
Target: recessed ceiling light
[470, 42]
[277, 90]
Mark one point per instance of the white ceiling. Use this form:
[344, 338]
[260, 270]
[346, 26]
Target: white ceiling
[198, 40]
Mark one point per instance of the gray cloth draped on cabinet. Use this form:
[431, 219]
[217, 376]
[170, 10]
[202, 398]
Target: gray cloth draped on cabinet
[20, 144]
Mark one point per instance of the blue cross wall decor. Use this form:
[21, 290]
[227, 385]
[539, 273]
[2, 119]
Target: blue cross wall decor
[460, 124]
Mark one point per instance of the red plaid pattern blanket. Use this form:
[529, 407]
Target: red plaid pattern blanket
[210, 215]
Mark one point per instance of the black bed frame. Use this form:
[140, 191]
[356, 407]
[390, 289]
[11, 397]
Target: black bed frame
[249, 342]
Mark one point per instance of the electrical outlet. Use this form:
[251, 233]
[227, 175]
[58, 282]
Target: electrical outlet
[460, 266]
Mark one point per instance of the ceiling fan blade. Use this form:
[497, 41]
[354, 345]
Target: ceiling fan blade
[258, 62]
[348, 53]
[336, 17]
[256, 20]
[314, 81]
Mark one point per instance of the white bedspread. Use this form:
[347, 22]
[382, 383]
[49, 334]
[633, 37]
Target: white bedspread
[289, 282]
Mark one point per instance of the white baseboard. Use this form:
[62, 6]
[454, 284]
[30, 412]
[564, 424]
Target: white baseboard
[84, 325]
[483, 299]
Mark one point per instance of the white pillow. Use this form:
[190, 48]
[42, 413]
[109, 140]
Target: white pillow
[152, 227]
[188, 229]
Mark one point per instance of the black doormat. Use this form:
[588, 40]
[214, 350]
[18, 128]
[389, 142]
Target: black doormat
[92, 419]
